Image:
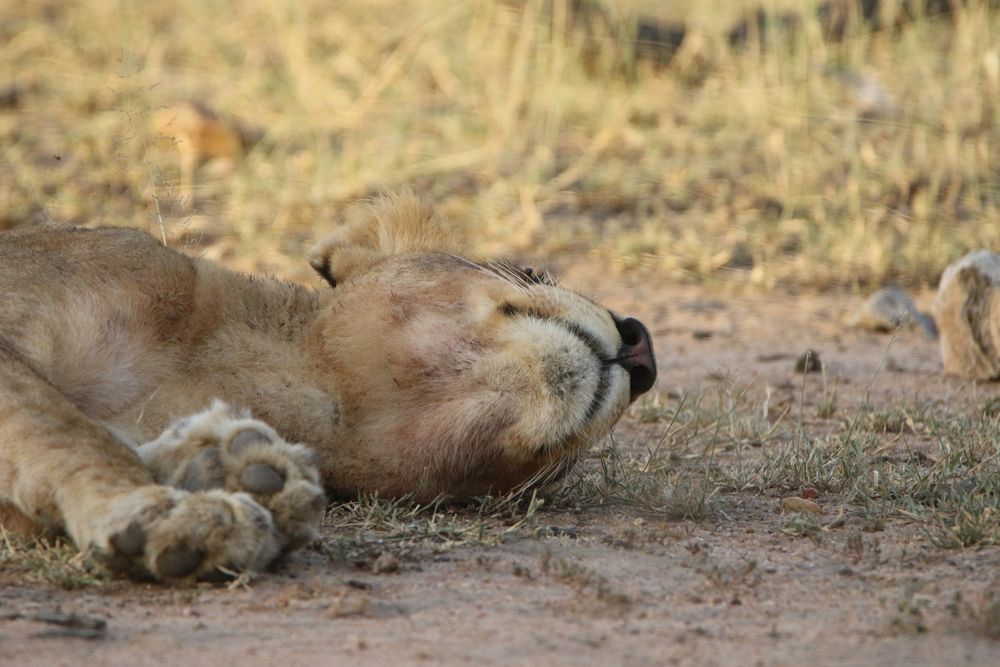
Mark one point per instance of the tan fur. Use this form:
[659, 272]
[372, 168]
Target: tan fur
[199, 136]
[419, 373]
[967, 313]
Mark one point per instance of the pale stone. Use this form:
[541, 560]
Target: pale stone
[891, 308]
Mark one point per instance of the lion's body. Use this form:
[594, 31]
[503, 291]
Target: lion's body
[417, 374]
[137, 335]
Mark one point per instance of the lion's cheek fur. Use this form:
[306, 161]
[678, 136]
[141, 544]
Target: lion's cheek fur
[440, 446]
[451, 409]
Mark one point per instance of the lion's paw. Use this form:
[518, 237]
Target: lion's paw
[223, 448]
[178, 536]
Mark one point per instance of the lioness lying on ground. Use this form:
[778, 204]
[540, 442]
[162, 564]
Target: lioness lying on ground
[417, 371]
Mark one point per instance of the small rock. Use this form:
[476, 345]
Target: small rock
[346, 606]
[967, 311]
[891, 308]
[796, 504]
[386, 563]
[809, 363]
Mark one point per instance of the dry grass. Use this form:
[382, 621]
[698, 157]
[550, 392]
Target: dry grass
[53, 562]
[370, 525]
[755, 165]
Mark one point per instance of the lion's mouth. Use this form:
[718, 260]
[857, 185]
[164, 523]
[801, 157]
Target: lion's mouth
[605, 364]
[600, 396]
[634, 357]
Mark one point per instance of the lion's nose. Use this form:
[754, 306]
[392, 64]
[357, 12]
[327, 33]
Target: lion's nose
[636, 355]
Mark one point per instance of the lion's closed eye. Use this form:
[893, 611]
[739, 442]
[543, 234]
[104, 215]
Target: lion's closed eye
[510, 310]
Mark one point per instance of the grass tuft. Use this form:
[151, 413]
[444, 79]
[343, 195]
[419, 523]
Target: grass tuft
[54, 562]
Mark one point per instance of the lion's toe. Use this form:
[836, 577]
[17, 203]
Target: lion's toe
[179, 562]
[279, 480]
[247, 438]
[262, 479]
[195, 536]
[131, 541]
[225, 448]
[280, 476]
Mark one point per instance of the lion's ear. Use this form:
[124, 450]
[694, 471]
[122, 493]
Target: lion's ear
[393, 224]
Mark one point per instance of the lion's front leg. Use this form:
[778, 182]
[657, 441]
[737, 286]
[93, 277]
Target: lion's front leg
[62, 470]
[224, 448]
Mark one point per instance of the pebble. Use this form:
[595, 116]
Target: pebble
[891, 308]
[386, 563]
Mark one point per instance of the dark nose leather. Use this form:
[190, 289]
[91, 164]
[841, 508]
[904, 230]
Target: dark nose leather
[636, 355]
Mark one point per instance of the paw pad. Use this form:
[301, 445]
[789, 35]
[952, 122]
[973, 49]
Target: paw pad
[247, 438]
[225, 451]
[179, 562]
[261, 479]
[180, 537]
[130, 542]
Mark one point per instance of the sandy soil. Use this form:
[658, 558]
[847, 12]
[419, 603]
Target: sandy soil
[638, 590]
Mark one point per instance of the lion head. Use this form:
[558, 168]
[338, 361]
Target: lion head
[460, 376]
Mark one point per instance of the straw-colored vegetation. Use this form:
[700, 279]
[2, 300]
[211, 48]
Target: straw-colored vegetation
[858, 162]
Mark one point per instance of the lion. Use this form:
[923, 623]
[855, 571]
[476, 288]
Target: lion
[182, 422]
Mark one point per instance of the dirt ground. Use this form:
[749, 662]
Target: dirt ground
[601, 586]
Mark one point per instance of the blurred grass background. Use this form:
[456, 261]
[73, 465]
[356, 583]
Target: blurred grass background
[806, 162]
